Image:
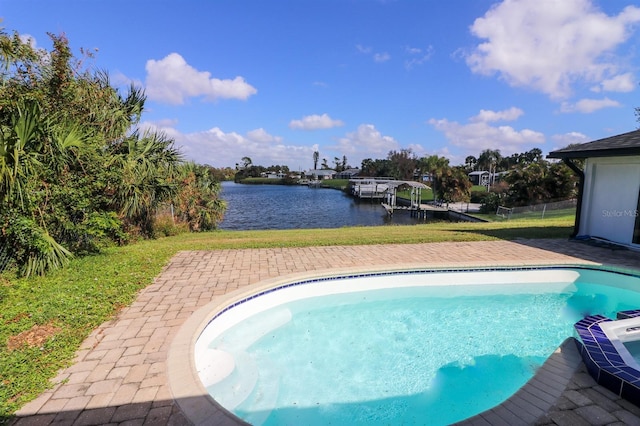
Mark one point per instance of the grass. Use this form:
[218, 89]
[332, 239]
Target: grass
[68, 304]
[335, 183]
[561, 214]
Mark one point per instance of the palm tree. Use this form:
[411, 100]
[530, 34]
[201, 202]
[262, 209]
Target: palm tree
[198, 201]
[29, 147]
[435, 166]
[489, 159]
[246, 162]
[316, 157]
[147, 166]
[470, 163]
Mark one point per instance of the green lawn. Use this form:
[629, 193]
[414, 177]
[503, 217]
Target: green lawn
[561, 214]
[69, 303]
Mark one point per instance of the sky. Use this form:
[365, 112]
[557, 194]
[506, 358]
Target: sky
[277, 80]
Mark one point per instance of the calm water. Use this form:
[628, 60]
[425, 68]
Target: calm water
[289, 207]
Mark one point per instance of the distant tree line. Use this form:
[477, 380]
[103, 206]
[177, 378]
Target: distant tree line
[527, 179]
[246, 169]
[519, 179]
[76, 173]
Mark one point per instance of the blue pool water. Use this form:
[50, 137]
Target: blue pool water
[423, 354]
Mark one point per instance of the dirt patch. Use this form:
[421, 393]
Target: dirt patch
[34, 337]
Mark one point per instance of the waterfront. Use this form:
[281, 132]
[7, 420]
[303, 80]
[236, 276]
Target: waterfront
[297, 206]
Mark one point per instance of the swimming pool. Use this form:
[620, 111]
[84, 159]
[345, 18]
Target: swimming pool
[434, 345]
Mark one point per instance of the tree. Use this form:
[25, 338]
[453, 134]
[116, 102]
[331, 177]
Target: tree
[375, 168]
[527, 185]
[246, 162]
[539, 182]
[560, 182]
[325, 165]
[454, 184]
[470, 163]
[197, 201]
[403, 164]
[316, 157]
[148, 164]
[435, 166]
[338, 164]
[489, 160]
[534, 155]
[25, 140]
[73, 169]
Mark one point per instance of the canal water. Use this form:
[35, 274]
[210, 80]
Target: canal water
[298, 206]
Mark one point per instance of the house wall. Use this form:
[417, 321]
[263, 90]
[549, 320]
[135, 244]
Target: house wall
[610, 199]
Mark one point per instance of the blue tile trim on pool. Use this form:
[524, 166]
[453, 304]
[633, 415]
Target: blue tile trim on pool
[428, 271]
[628, 314]
[603, 361]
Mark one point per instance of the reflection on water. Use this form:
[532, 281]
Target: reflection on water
[292, 207]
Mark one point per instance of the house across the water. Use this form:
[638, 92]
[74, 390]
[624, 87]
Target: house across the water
[321, 174]
[480, 177]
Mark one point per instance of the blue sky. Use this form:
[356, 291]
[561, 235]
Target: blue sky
[276, 80]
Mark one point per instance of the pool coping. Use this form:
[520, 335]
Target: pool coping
[529, 403]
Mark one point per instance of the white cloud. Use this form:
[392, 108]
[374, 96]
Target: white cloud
[261, 135]
[381, 57]
[487, 116]
[417, 56]
[587, 106]
[478, 135]
[221, 149]
[28, 39]
[118, 79]
[550, 46]
[567, 139]
[619, 83]
[315, 122]
[377, 56]
[366, 141]
[171, 80]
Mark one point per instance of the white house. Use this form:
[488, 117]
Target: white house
[480, 177]
[321, 174]
[609, 193]
[274, 175]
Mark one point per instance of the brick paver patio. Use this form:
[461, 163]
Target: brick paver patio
[119, 375]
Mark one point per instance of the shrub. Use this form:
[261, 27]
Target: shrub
[478, 196]
[166, 227]
[491, 202]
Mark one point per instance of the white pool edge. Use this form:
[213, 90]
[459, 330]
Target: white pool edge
[201, 409]
[618, 334]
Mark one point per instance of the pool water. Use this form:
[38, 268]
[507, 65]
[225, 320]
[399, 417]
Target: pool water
[634, 349]
[432, 354]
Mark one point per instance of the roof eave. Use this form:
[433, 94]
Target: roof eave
[621, 152]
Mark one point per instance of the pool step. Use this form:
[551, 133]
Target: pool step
[236, 387]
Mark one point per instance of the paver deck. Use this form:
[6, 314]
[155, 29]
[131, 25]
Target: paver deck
[119, 375]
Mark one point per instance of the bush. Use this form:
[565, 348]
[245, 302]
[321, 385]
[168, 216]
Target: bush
[31, 248]
[491, 202]
[165, 226]
[478, 196]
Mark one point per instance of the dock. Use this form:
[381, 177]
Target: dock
[387, 189]
[421, 210]
[370, 189]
